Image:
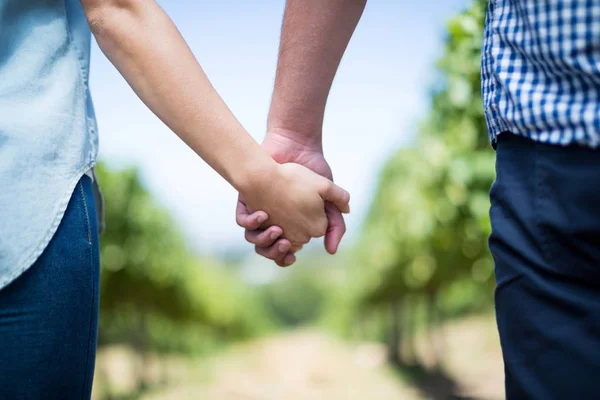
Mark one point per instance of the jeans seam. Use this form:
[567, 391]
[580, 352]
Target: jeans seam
[87, 217]
[92, 303]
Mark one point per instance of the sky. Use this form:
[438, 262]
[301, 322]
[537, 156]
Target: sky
[380, 93]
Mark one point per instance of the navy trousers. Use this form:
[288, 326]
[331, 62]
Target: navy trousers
[545, 242]
[49, 315]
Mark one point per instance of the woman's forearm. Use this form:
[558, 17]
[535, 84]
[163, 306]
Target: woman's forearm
[148, 50]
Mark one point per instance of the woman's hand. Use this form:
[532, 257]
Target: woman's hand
[142, 42]
[294, 199]
[286, 146]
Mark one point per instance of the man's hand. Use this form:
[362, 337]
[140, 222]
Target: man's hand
[314, 36]
[286, 146]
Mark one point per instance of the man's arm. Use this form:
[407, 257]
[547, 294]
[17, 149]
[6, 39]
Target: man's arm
[314, 37]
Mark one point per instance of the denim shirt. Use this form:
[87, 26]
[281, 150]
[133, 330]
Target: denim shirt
[48, 133]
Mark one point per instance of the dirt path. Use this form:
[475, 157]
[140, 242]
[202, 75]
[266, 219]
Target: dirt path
[297, 366]
[313, 365]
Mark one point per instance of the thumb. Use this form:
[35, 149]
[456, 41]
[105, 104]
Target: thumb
[336, 195]
[335, 229]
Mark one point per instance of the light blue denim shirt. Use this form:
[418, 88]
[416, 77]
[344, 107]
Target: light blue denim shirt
[48, 133]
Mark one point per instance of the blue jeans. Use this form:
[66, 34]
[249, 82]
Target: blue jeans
[49, 315]
[546, 245]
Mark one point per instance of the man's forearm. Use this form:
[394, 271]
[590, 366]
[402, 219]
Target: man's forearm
[314, 36]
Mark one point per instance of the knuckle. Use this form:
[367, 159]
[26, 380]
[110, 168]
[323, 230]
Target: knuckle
[300, 238]
[273, 254]
[238, 220]
[323, 229]
[304, 240]
[296, 248]
[346, 197]
[294, 237]
[320, 230]
[266, 253]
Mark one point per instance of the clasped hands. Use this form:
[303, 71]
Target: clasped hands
[314, 208]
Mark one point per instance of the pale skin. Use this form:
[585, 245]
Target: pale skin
[142, 42]
[314, 37]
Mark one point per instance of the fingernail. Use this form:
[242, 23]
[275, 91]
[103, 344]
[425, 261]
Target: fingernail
[274, 235]
[283, 247]
[260, 220]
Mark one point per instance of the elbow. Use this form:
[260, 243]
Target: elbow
[102, 15]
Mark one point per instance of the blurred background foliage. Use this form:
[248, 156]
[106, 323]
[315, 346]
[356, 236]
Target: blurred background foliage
[422, 257]
[150, 277]
[156, 295]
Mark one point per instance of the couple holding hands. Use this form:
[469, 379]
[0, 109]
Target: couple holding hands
[49, 205]
[540, 80]
[287, 195]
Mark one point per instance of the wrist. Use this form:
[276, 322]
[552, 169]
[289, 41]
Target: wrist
[254, 174]
[296, 139]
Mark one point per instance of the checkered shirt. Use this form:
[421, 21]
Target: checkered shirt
[541, 70]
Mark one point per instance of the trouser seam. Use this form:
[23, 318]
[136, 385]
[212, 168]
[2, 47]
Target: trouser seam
[92, 270]
[87, 217]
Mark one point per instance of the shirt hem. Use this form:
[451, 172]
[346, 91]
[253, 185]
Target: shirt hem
[497, 126]
[37, 252]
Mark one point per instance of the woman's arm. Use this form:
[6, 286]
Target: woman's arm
[148, 50]
[145, 46]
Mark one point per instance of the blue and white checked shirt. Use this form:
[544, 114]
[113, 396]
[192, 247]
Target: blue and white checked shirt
[541, 70]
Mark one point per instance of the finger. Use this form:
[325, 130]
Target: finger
[288, 260]
[264, 238]
[275, 252]
[247, 220]
[296, 248]
[336, 195]
[336, 228]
